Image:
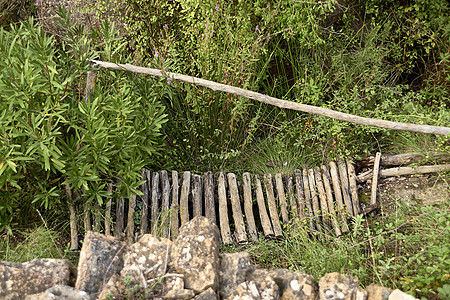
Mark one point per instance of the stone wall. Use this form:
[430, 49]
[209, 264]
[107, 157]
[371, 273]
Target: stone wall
[156, 268]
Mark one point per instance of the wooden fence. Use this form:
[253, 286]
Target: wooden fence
[320, 199]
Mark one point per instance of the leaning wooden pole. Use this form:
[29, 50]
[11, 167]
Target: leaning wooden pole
[275, 101]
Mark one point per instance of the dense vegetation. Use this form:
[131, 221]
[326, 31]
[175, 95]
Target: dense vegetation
[380, 59]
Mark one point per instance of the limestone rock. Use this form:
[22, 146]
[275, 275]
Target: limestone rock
[209, 294]
[195, 254]
[100, 258]
[293, 285]
[174, 288]
[234, 270]
[376, 292]
[114, 288]
[60, 292]
[337, 286]
[15, 283]
[399, 295]
[146, 259]
[264, 289]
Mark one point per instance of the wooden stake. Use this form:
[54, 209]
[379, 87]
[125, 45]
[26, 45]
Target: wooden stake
[248, 206]
[300, 194]
[241, 235]
[293, 208]
[338, 195]
[329, 192]
[72, 218]
[322, 197]
[376, 168]
[184, 204]
[210, 204]
[147, 177]
[314, 200]
[154, 209]
[120, 211]
[345, 186]
[108, 211]
[353, 187]
[223, 210]
[272, 205]
[197, 194]
[307, 190]
[130, 220]
[281, 198]
[264, 217]
[165, 202]
[175, 209]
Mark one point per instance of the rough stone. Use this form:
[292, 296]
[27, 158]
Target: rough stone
[293, 285]
[376, 292]
[114, 288]
[174, 288]
[265, 288]
[146, 259]
[337, 286]
[100, 257]
[209, 294]
[195, 254]
[234, 270]
[60, 292]
[399, 295]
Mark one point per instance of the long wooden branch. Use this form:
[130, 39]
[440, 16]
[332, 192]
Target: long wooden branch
[275, 101]
[399, 171]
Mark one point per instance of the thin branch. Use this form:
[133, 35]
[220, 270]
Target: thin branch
[275, 101]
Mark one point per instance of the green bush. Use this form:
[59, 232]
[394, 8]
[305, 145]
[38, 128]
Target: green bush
[51, 135]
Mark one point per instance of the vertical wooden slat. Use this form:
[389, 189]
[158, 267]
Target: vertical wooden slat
[241, 235]
[272, 205]
[223, 210]
[293, 208]
[307, 191]
[248, 206]
[210, 205]
[146, 176]
[353, 187]
[197, 194]
[87, 217]
[300, 194]
[264, 217]
[329, 192]
[174, 206]
[184, 204]
[154, 209]
[334, 174]
[165, 202]
[376, 169]
[345, 186]
[130, 220]
[322, 197]
[281, 198]
[120, 210]
[314, 199]
[72, 218]
[108, 211]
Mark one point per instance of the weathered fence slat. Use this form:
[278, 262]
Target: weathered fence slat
[175, 208]
[281, 198]
[223, 210]
[272, 205]
[184, 201]
[240, 234]
[165, 202]
[322, 197]
[329, 192]
[307, 190]
[353, 187]
[300, 194]
[210, 204]
[120, 210]
[197, 194]
[293, 208]
[345, 186]
[376, 168]
[248, 206]
[154, 209]
[314, 200]
[146, 177]
[264, 217]
[338, 195]
[130, 221]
